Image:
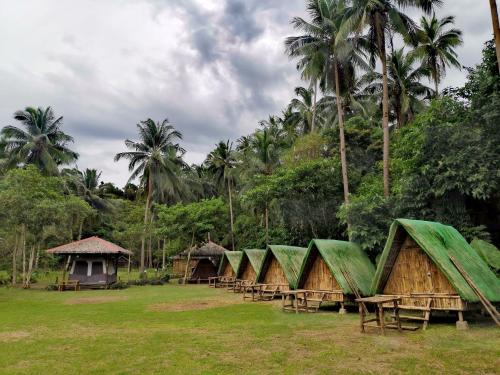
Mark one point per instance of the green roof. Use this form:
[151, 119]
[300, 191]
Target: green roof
[255, 257]
[440, 242]
[234, 258]
[290, 259]
[340, 257]
[488, 252]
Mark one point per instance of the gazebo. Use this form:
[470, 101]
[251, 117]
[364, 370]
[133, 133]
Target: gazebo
[92, 262]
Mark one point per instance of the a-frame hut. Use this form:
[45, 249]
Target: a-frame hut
[251, 262]
[281, 265]
[336, 266]
[230, 263]
[428, 264]
[199, 258]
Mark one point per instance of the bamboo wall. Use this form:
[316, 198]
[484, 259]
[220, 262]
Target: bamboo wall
[274, 273]
[179, 266]
[414, 272]
[248, 271]
[319, 277]
[228, 270]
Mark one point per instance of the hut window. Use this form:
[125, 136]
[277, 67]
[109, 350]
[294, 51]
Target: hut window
[97, 268]
[80, 268]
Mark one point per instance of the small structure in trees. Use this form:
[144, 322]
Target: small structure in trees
[340, 268]
[281, 265]
[198, 264]
[230, 263]
[250, 264]
[91, 262]
[430, 266]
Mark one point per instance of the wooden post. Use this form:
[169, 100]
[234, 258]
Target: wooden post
[361, 317]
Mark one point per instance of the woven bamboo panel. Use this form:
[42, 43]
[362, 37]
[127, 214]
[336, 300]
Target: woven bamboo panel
[228, 270]
[319, 277]
[248, 272]
[414, 272]
[274, 273]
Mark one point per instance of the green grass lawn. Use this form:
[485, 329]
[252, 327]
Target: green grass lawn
[174, 329]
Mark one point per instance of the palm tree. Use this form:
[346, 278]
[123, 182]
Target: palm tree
[148, 162]
[383, 18]
[406, 91]
[322, 35]
[436, 46]
[221, 162]
[303, 109]
[91, 178]
[496, 29]
[41, 142]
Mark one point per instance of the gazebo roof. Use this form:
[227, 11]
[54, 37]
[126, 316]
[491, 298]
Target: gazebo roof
[91, 245]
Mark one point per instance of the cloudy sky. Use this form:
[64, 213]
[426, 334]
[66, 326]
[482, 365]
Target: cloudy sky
[214, 68]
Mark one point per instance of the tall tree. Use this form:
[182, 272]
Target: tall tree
[222, 162]
[436, 46]
[41, 142]
[303, 108]
[322, 35]
[406, 91]
[496, 29]
[383, 18]
[148, 162]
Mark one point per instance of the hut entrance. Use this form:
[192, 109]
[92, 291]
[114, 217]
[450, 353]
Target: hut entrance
[203, 269]
[274, 273]
[320, 277]
[414, 272]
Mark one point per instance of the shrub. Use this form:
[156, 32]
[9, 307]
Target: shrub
[119, 285]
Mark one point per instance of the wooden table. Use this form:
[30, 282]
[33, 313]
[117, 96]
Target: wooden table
[291, 295]
[379, 302]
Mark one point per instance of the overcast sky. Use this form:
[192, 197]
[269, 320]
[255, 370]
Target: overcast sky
[214, 68]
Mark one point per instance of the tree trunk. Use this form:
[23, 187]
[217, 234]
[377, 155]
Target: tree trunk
[37, 258]
[23, 250]
[146, 212]
[188, 259]
[14, 261]
[80, 229]
[385, 119]
[496, 29]
[163, 254]
[150, 249]
[313, 121]
[266, 218]
[436, 88]
[231, 212]
[343, 157]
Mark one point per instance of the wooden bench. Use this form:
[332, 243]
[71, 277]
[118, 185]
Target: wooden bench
[303, 300]
[69, 284]
[267, 292]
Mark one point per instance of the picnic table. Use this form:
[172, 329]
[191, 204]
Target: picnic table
[305, 299]
[264, 292]
[379, 319]
[68, 284]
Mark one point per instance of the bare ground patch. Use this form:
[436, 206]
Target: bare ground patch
[13, 336]
[94, 300]
[190, 306]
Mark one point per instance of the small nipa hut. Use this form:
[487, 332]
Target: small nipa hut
[230, 263]
[340, 268]
[92, 262]
[250, 264]
[281, 266]
[432, 267]
[198, 264]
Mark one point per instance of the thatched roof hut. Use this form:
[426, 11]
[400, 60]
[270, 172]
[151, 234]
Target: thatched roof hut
[91, 261]
[281, 265]
[336, 265]
[208, 251]
[230, 263]
[250, 264]
[419, 263]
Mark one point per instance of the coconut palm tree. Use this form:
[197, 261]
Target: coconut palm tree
[384, 18]
[303, 109]
[41, 142]
[148, 162]
[406, 91]
[436, 47]
[496, 29]
[222, 162]
[322, 36]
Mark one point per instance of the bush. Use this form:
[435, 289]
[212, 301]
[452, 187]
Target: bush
[119, 285]
[51, 287]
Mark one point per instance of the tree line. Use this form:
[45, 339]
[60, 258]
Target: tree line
[369, 137]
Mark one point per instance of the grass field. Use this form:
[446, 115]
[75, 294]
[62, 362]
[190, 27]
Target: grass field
[173, 329]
